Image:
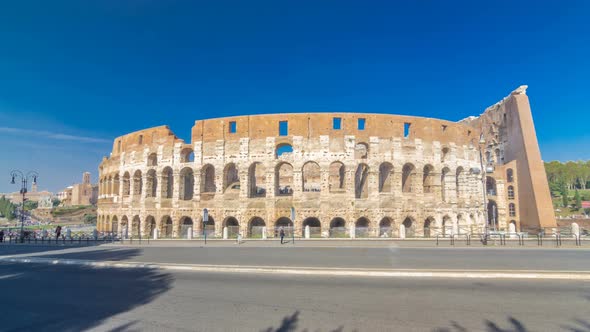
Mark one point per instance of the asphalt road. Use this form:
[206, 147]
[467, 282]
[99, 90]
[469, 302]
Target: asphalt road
[75, 298]
[369, 258]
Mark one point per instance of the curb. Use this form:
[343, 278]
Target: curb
[309, 271]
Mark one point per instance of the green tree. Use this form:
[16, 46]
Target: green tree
[55, 202]
[564, 197]
[7, 209]
[30, 205]
[578, 200]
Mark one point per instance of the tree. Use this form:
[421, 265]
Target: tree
[578, 200]
[31, 205]
[55, 202]
[7, 209]
[564, 197]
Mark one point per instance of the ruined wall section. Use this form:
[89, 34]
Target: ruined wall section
[510, 138]
[444, 146]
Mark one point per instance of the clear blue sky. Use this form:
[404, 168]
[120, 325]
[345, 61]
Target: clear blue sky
[95, 70]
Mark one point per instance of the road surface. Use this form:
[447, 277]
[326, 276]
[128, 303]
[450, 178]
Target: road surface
[74, 298]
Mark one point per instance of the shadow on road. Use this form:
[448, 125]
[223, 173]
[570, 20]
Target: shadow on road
[515, 325]
[114, 254]
[15, 249]
[289, 324]
[73, 298]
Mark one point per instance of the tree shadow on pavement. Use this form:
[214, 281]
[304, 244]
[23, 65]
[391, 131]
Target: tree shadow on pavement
[514, 326]
[111, 254]
[16, 249]
[289, 324]
[74, 298]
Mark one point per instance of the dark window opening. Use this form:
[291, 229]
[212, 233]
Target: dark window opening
[444, 128]
[232, 127]
[407, 129]
[361, 124]
[337, 123]
[140, 139]
[283, 128]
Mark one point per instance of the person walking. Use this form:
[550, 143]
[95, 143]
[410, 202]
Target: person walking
[282, 233]
[1, 235]
[57, 232]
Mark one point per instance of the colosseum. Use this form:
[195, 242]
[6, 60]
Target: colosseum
[351, 175]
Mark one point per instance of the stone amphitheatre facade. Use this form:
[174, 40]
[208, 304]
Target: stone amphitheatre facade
[340, 174]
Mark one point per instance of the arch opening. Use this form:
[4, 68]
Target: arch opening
[338, 228]
[408, 175]
[208, 179]
[315, 227]
[256, 227]
[187, 184]
[336, 177]
[284, 179]
[362, 228]
[257, 180]
[311, 177]
[231, 178]
[385, 177]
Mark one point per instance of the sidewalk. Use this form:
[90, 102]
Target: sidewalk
[325, 243]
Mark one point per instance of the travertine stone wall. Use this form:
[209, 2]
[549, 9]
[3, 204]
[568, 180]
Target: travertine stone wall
[399, 176]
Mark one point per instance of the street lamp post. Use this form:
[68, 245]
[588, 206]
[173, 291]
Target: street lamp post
[32, 175]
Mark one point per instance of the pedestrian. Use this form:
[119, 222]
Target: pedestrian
[57, 233]
[1, 235]
[282, 233]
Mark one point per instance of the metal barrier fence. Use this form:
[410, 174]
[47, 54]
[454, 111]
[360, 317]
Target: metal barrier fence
[453, 236]
[80, 238]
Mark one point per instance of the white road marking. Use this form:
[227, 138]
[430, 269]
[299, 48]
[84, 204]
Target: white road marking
[310, 271]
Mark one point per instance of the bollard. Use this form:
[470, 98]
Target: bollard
[452, 239]
[468, 239]
[437, 235]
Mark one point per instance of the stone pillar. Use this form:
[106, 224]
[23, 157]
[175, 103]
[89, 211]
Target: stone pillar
[189, 233]
[156, 233]
[307, 232]
[176, 188]
[264, 233]
[225, 233]
[352, 230]
[402, 231]
[69, 233]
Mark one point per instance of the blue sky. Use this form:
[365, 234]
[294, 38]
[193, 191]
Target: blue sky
[76, 74]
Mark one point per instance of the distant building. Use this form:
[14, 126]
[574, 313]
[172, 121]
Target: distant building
[79, 194]
[33, 195]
